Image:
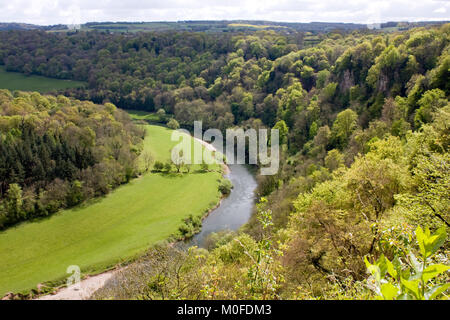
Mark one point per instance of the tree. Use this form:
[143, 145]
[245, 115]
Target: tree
[430, 101]
[178, 159]
[334, 160]
[159, 166]
[161, 113]
[168, 166]
[173, 124]
[225, 186]
[147, 159]
[60, 167]
[75, 194]
[14, 202]
[343, 127]
[432, 178]
[283, 131]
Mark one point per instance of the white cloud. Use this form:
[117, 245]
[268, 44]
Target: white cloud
[360, 11]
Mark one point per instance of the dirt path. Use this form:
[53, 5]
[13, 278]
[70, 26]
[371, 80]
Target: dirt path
[83, 290]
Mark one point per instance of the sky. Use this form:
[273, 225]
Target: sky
[48, 12]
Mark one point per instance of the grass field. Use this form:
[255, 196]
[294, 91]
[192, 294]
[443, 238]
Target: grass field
[145, 116]
[255, 26]
[112, 229]
[18, 81]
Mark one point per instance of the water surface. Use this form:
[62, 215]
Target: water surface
[235, 210]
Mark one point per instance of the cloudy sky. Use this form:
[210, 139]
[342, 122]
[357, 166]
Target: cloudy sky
[46, 12]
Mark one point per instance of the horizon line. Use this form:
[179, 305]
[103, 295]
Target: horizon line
[225, 20]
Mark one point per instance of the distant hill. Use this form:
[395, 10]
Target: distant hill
[4, 26]
[18, 26]
[219, 26]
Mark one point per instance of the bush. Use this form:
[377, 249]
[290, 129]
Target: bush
[159, 166]
[173, 124]
[161, 113]
[190, 227]
[225, 187]
[168, 166]
[411, 277]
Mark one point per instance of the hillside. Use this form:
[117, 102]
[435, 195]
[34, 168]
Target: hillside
[107, 231]
[359, 206]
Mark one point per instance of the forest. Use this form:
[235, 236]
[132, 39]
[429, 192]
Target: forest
[56, 153]
[359, 208]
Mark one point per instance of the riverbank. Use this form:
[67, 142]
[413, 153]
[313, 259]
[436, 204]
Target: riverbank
[233, 212]
[83, 290]
[86, 287]
[107, 231]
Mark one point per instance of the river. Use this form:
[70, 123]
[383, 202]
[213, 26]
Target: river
[234, 210]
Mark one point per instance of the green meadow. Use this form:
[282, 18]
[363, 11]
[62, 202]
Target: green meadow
[109, 230]
[143, 115]
[19, 81]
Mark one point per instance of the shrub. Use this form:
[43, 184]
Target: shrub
[225, 186]
[190, 227]
[168, 166]
[159, 166]
[408, 277]
[173, 124]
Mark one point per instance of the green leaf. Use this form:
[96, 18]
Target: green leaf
[375, 271]
[391, 269]
[433, 271]
[412, 287]
[368, 264]
[406, 274]
[389, 291]
[415, 263]
[421, 241]
[397, 264]
[405, 296]
[429, 244]
[436, 291]
[437, 240]
[381, 263]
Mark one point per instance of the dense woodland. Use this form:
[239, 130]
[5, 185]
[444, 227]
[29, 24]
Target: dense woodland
[56, 152]
[364, 120]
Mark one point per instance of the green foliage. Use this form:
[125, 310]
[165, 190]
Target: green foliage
[13, 203]
[339, 192]
[60, 152]
[225, 186]
[191, 225]
[108, 230]
[343, 127]
[412, 278]
[283, 131]
[334, 160]
[173, 124]
[429, 103]
[75, 193]
[263, 280]
[158, 166]
[329, 91]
